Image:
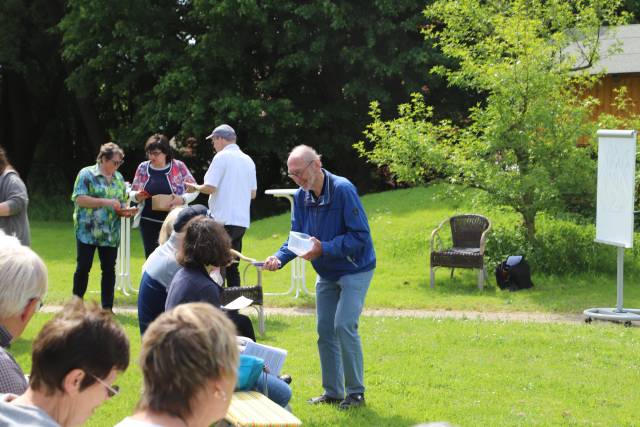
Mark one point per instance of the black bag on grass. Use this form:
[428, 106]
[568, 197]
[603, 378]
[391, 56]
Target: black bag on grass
[514, 274]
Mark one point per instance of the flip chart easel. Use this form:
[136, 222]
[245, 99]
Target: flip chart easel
[614, 214]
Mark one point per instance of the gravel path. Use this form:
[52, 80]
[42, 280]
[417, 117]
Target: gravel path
[389, 312]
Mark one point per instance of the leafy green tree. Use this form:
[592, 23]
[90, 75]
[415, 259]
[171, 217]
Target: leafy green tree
[45, 128]
[528, 145]
[282, 72]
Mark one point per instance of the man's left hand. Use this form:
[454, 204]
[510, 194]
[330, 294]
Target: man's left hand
[315, 252]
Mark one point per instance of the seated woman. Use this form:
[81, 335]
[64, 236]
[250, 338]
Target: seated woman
[161, 266]
[188, 360]
[76, 358]
[23, 285]
[206, 245]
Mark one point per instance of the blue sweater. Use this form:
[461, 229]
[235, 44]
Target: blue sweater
[338, 220]
[192, 285]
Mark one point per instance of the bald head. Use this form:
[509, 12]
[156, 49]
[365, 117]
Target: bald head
[304, 153]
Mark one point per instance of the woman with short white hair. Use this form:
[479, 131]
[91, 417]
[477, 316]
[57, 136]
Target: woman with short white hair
[23, 285]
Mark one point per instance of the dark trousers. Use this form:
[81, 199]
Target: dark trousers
[149, 230]
[84, 260]
[243, 324]
[151, 299]
[231, 271]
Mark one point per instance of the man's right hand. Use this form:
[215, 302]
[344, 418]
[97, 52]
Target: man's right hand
[191, 187]
[272, 263]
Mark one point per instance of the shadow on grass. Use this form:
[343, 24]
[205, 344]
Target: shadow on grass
[371, 417]
[464, 282]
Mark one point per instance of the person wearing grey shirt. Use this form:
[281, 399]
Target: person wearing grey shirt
[23, 285]
[23, 415]
[161, 266]
[13, 202]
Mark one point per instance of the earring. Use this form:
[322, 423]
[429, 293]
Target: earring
[218, 393]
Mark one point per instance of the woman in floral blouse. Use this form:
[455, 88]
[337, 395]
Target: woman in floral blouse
[99, 194]
[161, 174]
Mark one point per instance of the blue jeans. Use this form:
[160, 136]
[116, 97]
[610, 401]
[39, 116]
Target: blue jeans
[338, 308]
[277, 390]
[151, 298]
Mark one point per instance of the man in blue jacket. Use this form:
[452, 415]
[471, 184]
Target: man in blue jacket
[327, 207]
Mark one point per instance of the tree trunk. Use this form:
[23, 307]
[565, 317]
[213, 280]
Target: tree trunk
[92, 125]
[23, 127]
[529, 222]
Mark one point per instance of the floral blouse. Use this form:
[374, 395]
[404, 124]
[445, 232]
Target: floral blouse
[97, 226]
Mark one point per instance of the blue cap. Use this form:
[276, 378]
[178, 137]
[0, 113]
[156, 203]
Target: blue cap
[187, 214]
[223, 131]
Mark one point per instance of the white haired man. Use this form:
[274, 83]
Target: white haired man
[23, 285]
[327, 207]
[231, 184]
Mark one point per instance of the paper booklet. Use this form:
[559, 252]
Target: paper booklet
[238, 303]
[273, 356]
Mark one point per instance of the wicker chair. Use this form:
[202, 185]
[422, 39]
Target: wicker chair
[253, 292]
[468, 234]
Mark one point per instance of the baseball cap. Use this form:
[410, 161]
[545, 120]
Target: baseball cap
[223, 131]
[187, 214]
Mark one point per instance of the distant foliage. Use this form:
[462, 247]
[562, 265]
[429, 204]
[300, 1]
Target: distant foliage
[523, 144]
[281, 72]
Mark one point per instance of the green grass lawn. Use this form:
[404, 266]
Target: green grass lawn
[467, 372]
[401, 223]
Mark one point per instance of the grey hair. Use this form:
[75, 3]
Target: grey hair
[23, 276]
[304, 152]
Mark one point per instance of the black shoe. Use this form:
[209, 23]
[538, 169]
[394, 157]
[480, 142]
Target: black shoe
[324, 399]
[352, 401]
[286, 378]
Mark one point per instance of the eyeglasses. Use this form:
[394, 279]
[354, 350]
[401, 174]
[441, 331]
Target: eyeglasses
[299, 174]
[154, 153]
[117, 163]
[40, 303]
[111, 390]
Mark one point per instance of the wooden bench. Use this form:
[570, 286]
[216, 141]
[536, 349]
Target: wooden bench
[253, 409]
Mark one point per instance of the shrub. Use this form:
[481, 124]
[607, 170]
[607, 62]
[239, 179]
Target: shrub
[561, 247]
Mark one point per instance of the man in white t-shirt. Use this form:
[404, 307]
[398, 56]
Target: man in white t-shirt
[231, 183]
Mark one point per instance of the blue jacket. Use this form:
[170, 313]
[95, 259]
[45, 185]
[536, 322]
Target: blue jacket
[338, 220]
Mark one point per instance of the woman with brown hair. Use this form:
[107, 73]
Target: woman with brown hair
[161, 174]
[75, 360]
[205, 246]
[13, 202]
